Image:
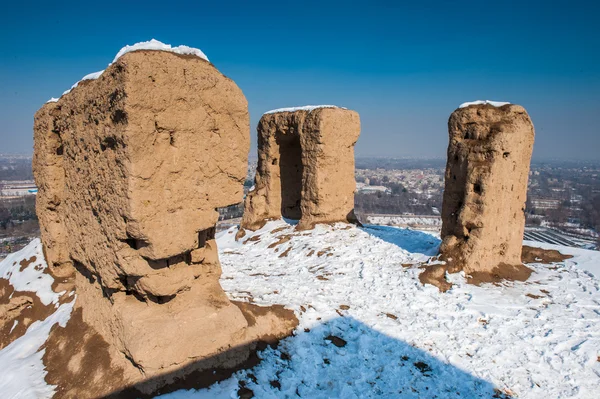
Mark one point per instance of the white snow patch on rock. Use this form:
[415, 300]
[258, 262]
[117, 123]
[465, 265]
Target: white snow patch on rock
[153, 44]
[32, 278]
[89, 76]
[159, 46]
[482, 102]
[303, 108]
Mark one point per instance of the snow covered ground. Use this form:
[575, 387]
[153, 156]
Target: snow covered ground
[538, 339]
[368, 328]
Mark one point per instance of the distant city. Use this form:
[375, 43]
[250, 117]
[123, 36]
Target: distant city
[563, 205]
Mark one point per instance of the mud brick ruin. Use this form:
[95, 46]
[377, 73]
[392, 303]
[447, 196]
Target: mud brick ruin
[131, 167]
[305, 167]
[488, 163]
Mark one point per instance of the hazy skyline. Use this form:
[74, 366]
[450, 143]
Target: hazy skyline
[403, 67]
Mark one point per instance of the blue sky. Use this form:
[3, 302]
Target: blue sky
[403, 66]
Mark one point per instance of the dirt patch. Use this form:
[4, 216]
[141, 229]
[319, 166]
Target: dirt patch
[240, 234]
[344, 307]
[324, 252]
[539, 255]
[501, 273]
[277, 230]
[391, 316]
[281, 239]
[337, 341]
[26, 262]
[78, 361]
[504, 394]
[245, 393]
[251, 312]
[285, 253]
[18, 310]
[423, 368]
[252, 239]
[275, 384]
[312, 251]
[534, 296]
[322, 278]
[435, 275]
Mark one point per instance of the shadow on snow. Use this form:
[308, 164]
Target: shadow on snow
[407, 239]
[344, 358]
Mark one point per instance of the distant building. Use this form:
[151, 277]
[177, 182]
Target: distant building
[373, 189]
[543, 203]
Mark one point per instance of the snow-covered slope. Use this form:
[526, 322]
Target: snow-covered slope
[21, 368]
[368, 328]
[538, 339]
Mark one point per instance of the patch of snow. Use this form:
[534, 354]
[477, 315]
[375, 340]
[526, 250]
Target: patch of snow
[308, 108]
[89, 76]
[16, 323]
[537, 339]
[160, 46]
[33, 277]
[153, 44]
[21, 363]
[481, 102]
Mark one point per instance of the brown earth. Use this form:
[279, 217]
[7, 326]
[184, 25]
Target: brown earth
[486, 176]
[539, 255]
[436, 275]
[22, 307]
[305, 168]
[79, 362]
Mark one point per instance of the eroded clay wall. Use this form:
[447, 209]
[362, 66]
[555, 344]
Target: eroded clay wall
[50, 177]
[489, 156]
[329, 184]
[305, 167]
[148, 151]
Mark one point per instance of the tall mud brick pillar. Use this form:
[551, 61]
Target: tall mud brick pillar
[483, 218]
[131, 169]
[305, 167]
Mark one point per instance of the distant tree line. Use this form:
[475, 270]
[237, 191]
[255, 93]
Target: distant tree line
[14, 212]
[400, 201]
[15, 169]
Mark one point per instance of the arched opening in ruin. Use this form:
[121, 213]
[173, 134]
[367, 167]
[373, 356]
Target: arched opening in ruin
[290, 172]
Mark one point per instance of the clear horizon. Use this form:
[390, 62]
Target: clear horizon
[404, 68]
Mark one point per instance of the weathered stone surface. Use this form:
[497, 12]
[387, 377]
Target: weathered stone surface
[50, 177]
[305, 168]
[485, 189]
[131, 168]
